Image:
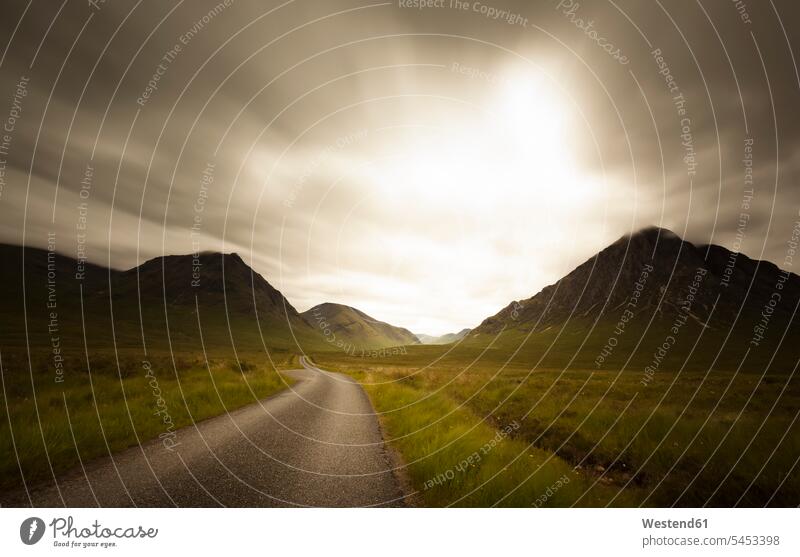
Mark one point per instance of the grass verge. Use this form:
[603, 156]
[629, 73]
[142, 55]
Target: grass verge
[456, 458]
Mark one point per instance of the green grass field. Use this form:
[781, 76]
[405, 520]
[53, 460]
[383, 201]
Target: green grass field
[457, 457]
[110, 404]
[685, 437]
[518, 420]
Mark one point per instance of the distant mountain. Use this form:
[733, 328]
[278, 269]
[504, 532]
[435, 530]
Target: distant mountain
[354, 330]
[443, 339]
[654, 273]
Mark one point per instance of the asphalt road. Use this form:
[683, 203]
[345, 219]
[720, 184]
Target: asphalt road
[315, 444]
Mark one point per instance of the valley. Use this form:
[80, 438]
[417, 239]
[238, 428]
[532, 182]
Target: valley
[646, 376]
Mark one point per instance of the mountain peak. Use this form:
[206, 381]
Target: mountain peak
[204, 258]
[651, 237]
[655, 233]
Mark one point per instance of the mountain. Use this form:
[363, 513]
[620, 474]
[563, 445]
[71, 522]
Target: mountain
[354, 330]
[444, 339]
[215, 279]
[173, 301]
[656, 281]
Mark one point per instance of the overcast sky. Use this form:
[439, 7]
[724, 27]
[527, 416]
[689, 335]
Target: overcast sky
[426, 166]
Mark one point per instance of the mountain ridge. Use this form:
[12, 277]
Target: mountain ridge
[208, 298]
[664, 274]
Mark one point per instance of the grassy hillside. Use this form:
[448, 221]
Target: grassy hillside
[347, 329]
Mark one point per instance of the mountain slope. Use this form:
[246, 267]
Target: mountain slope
[353, 330]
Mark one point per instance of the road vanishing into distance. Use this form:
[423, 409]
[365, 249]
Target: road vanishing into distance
[317, 443]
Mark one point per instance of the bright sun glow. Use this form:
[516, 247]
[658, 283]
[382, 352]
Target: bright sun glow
[528, 110]
[490, 180]
[516, 147]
